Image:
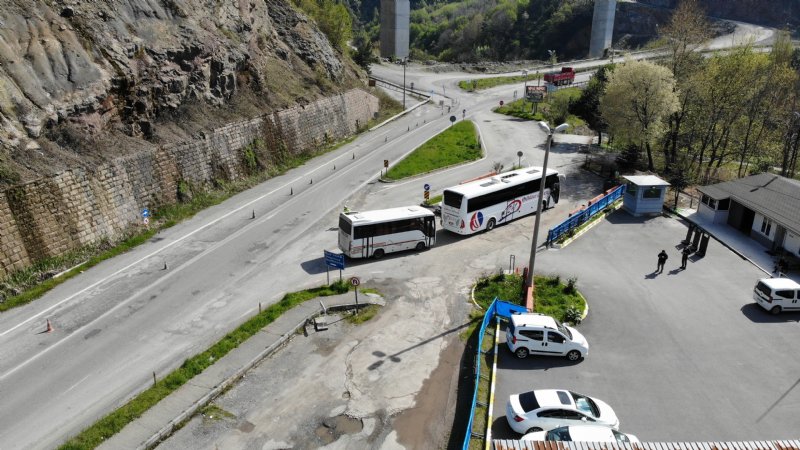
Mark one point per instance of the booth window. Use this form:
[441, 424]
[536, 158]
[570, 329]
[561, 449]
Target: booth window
[652, 192]
[632, 189]
[724, 204]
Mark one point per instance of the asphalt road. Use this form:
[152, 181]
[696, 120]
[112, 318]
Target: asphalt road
[128, 317]
[680, 356]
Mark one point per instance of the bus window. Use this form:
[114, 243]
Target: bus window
[345, 226]
[452, 199]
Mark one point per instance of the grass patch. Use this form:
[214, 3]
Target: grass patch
[486, 83]
[455, 145]
[365, 313]
[116, 421]
[553, 297]
[434, 200]
[552, 106]
[214, 412]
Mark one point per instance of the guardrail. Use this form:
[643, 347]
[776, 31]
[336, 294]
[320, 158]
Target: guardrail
[497, 308]
[578, 217]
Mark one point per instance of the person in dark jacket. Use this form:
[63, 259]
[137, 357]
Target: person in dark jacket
[662, 259]
[685, 256]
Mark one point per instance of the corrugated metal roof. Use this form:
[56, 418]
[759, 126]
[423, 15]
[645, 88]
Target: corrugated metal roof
[774, 196]
[509, 444]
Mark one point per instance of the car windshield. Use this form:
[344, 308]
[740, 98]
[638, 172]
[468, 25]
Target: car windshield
[564, 330]
[586, 405]
[558, 434]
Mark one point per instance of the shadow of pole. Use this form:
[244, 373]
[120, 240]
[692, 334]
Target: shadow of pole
[778, 400]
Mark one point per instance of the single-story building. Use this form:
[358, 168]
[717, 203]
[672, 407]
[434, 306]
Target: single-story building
[644, 194]
[766, 207]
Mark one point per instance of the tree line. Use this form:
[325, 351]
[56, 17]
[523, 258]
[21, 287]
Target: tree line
[697, 119]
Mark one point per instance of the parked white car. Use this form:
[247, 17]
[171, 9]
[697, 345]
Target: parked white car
[540, 334]
[777, 294]
[582, 433]
[545, 409]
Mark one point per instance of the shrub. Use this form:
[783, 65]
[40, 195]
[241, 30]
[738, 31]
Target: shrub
[570, 287]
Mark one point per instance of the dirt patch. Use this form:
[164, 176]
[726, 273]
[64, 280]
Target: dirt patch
[333, 428]
[429, 422]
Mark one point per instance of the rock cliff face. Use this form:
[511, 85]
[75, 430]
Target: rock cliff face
[82, 79]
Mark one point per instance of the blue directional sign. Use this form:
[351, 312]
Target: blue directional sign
[145, 212]
[427, 187]
[335, 260]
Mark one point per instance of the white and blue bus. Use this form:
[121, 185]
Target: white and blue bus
[482, 204]
[375, 233]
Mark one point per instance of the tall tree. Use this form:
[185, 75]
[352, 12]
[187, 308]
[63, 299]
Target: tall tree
[639, 96]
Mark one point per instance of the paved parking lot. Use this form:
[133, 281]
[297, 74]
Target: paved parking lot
[680, 356]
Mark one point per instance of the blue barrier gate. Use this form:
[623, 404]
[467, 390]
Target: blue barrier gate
[585, 214]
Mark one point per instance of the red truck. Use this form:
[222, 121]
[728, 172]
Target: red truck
[566, 76]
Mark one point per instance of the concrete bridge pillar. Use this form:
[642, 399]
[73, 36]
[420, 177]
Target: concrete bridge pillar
[395, 16]
[602, 27]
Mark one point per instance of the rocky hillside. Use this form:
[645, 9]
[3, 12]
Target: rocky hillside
[82, 81]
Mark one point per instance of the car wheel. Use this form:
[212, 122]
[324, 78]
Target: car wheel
[573, 355]
[775, 310]
[378, 254]
[533, 430]
[490, 225]
[420, 246]
[521, 353]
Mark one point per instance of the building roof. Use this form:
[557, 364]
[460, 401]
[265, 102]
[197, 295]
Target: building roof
[508, 444]
[645, 180]
[772, 195]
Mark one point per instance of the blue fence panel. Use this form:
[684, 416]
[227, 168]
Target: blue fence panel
[585, 214]
[487, 318]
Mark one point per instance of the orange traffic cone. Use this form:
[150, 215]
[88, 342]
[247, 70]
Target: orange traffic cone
[49, 327]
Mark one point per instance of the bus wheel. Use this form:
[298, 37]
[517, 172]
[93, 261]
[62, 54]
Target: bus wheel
[490, 225]
[420, 246]
[378, 254]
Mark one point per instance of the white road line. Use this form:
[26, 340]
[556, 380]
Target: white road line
[76, 384]
[175, 271]
[180, 239]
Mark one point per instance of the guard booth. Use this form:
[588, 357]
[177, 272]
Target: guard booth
[644, 195]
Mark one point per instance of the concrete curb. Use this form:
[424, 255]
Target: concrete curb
[401, 114]
[176, 423]
[488, 440]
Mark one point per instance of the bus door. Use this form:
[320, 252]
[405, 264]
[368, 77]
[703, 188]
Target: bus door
[366, 246]
[430, 231]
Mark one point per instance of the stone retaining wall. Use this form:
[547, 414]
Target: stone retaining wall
[77, 207]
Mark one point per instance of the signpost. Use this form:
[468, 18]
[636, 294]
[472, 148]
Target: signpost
[355, 282]
[335, 260]
[386, 165]
[427, 194]
[535, 94]
[146, 216]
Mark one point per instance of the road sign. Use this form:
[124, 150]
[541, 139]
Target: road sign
[427, 187]
[501, 103]
[452, 118]
[427, 195]
[355, 281]
[145, 212]
[535, 93]
[146, 220]
[385, 163]
[335, 260]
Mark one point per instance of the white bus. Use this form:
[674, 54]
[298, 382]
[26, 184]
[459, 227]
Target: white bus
[375, 233]
[482, 204]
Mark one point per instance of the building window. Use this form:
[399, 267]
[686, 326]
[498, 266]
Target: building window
[725, 204]
[709, 201]
[766, 226]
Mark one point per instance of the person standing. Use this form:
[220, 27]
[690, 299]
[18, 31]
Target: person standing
[685, 256]
[662, 259]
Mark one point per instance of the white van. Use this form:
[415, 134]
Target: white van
[777, 294]
[540, 334]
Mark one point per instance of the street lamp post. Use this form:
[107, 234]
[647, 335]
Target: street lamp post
[525, 85]
[404, 83]
[550, 132]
